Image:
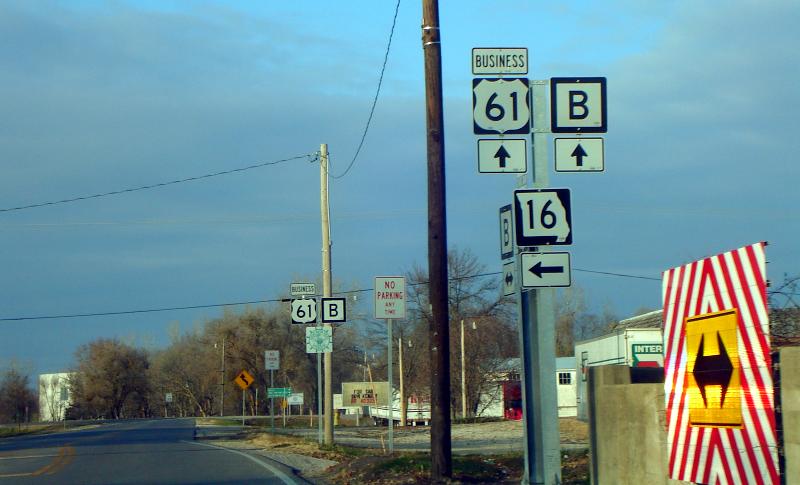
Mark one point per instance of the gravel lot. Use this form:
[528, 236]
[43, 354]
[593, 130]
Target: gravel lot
[305, 457]
[479, 438]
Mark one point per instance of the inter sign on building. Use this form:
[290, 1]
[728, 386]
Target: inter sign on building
[720, 407]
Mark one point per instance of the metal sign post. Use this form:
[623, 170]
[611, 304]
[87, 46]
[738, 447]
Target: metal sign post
[390, 303]
[537, 338]
[272, 402]
[389, 341]
[319, 398]
[272, 362]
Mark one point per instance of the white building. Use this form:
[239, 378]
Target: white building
[54, 396]
[505, 399]
[635, 342]
[566, 386]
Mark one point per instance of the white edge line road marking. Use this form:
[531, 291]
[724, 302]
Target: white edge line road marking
[284, 477]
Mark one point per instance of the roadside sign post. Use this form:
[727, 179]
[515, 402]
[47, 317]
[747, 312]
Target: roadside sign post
[390, 303]
[244, 379]
[319, 340]
[540, 219]
[272, 363]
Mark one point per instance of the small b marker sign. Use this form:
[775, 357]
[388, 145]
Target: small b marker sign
[390, 297]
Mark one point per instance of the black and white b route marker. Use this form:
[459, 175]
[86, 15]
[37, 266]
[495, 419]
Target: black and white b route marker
[544, 270]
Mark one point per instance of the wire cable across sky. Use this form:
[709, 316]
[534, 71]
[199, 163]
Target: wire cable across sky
[274, 300]
[377, 93]
[310, 156]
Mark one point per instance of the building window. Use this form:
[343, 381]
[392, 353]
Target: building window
[564, 378]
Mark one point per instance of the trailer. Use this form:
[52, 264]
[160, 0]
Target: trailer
[635, 342]
[415, 415]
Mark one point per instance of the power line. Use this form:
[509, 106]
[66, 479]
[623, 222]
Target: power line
[253, 302]
[310, 157]
[377, 93]
[617, 274]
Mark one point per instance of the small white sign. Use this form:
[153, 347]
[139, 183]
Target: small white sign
[334, 310]
[272, 359]
[501, 106]
[319, 339]
[506, 232]
[390, 297]
[295, 399]
[499, 60]
[304, 310]
[578, 105]
[542, 217]
[502, 155]
[579, 155]
[509, 278]
[302, 289]
[541, 270]
[168, 397]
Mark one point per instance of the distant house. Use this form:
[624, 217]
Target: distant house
[54, 396]
[506, 398]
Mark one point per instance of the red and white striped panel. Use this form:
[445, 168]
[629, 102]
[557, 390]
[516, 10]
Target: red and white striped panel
[720, 455]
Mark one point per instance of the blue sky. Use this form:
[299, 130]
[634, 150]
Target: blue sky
[102, 96]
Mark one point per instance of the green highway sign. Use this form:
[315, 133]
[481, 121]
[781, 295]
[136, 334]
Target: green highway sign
[279, 391]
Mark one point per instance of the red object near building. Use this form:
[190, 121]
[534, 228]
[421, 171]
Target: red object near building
[512, 400]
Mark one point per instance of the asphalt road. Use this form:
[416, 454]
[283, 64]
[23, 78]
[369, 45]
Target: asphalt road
[137, 451]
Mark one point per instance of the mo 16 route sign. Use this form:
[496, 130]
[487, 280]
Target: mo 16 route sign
[390, 297]
[542, 217]
[720, 404]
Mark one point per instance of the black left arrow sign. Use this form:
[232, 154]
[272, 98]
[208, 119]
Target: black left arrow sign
[539, 270]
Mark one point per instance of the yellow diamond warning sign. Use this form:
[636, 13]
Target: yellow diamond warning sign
[712, 370]
[244, 379]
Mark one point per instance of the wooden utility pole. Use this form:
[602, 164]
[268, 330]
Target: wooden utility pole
[326, 285]
[439, 329]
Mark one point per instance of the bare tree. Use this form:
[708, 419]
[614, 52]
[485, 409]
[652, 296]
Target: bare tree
[111, 380]
[784, 303]
[189, 369]
[473, 296]
[17, 400]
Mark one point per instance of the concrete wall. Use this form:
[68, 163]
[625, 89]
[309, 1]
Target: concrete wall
[790, 404]
[627, 429]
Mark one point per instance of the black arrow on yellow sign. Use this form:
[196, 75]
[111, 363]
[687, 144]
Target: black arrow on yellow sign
[713, 370]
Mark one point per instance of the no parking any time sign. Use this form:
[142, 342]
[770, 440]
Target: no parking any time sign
[390, 297]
